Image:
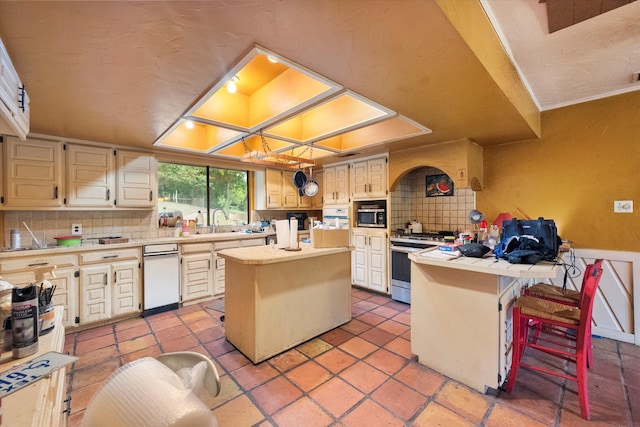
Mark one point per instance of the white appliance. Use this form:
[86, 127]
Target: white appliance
[336, 216]
[161, 278]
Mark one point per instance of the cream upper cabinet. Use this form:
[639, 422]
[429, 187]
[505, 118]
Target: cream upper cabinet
[273, 187]
[336, 185]
[281, 192]
[370, 259]
[3, 168]
[33, 176]
[14, 101]
[369, 178]
[290, 193]
[317, 200]
[136, 179]
[90, 176]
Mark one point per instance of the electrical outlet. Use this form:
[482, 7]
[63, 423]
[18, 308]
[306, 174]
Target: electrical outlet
[623, 206]
[76, 229]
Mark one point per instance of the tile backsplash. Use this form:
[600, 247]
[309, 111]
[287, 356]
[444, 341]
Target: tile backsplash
[409, 202]
[95, 224]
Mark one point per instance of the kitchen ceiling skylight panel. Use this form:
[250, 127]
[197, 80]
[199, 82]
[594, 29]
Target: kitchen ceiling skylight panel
[265, 92]
[341, 113]
[386, 131]
[199, 137]
[253, 143]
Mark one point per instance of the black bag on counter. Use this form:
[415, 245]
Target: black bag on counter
[527, 241]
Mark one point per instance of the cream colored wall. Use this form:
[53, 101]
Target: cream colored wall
[588, 156]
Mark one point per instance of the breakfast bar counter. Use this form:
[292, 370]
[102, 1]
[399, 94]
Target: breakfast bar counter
[461, 314]
[277, 299]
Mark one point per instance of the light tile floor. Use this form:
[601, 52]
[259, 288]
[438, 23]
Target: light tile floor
[360, 374]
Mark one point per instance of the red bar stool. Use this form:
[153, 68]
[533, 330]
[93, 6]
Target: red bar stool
[568, 297]
[539, 315]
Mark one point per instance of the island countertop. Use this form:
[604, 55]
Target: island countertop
[266, 255]
[489, 265]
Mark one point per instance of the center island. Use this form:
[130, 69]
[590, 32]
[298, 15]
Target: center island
[276, 299]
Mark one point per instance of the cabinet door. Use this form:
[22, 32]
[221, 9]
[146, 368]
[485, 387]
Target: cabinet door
[360, 259]
[317, 200]
[136, 179]
[196, 276]
[377, 177]
[95, 293]
[359, 183]
[342, 184]
[2, 169]
[34, 174]
[66, 294]
[218, 280]
[329, 192]
[90, 178]
[14, 101]
[273, 184]
[378, 259]
[126, 287]
[290, 192]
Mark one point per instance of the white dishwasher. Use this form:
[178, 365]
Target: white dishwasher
[161, 278]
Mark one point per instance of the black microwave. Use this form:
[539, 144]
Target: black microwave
[372, 216]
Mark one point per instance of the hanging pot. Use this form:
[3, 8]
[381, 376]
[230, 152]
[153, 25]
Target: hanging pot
[299, 180]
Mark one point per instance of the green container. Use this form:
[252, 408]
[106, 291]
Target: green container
[68, 240]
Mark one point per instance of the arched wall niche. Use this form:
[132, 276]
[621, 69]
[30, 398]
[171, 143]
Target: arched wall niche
[460, 159]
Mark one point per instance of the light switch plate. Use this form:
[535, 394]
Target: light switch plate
[623, 206]
[76, 229]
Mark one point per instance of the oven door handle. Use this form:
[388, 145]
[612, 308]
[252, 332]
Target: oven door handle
[405, 250]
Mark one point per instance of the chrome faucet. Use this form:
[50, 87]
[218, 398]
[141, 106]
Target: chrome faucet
[213, 217]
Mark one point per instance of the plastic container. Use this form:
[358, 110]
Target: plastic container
[15, 239]
[68, 240]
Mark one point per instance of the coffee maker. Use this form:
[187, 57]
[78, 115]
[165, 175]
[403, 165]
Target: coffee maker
[300, 216]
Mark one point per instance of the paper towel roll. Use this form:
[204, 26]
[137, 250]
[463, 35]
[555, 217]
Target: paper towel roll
[293, 233]
[282, 233]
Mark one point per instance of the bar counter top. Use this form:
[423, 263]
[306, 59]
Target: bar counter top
[266, 255]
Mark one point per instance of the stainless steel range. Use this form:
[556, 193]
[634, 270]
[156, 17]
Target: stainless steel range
[401, 246]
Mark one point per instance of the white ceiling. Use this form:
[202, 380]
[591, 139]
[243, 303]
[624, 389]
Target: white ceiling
[123, 72]
[591, 59]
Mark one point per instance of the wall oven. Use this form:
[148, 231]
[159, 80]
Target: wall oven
[401, 247]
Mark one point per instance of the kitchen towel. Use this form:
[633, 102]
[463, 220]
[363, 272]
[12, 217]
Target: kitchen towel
[282, 233]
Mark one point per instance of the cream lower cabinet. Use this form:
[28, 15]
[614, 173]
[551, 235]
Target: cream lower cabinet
[369, 259]
[196, 272]
[21, 272]
[110, 285]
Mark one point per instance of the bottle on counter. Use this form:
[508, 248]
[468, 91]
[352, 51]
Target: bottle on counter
[482, 232]
[199, 219]
[177, 231]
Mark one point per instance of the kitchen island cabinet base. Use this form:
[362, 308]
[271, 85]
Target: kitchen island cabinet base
[272, 307]
[461, 315]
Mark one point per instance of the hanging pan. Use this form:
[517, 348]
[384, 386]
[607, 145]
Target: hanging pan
[310, 187]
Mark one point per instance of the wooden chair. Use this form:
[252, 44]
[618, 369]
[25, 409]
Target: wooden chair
[568, 297]
[531, 313]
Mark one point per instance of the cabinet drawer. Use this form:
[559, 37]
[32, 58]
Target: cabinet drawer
[109, 256]
[29, 263]
[226, 245]
[252, 242]
[193, 248]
